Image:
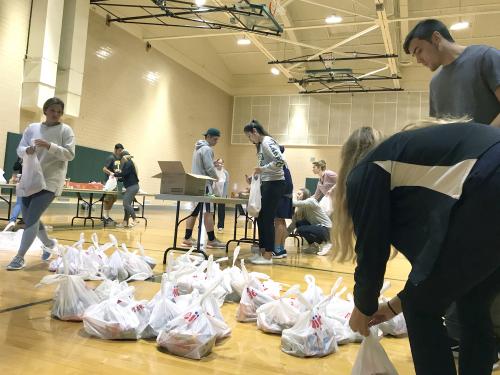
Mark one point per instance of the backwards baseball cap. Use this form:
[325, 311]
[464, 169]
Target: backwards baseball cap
[212, 132]
[119, 145]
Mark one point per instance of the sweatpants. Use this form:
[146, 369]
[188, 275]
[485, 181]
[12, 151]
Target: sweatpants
[128, 199]
[33, 208]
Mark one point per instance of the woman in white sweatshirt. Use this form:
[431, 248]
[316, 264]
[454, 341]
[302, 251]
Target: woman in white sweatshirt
[53, 144]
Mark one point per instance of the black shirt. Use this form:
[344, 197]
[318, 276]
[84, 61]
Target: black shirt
[402, 194]
[112, 163]
[128, 174]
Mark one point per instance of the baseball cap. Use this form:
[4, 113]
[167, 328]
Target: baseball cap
[212, 132]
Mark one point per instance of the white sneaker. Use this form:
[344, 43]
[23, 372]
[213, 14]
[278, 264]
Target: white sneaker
[255, 249]
[254, 257]
[325, 249]
[220, 230]
[260, 260]
[9, 226]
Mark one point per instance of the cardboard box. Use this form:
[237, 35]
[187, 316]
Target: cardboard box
[175, 180]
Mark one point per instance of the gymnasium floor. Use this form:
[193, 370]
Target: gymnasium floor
[31, 342]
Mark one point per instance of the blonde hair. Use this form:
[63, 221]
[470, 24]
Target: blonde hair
[431, 121]
[360, 142]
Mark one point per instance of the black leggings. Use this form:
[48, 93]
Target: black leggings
[271, 192]
[467, 272]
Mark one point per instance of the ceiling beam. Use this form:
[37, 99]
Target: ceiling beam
[336, 45]
[403, 30]
[337, 9]
[386, 36]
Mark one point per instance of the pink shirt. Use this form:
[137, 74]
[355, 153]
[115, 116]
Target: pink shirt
[325, 183]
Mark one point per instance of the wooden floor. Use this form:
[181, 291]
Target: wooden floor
[31, 342]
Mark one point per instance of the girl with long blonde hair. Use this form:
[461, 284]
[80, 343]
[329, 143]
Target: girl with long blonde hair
[432, 193]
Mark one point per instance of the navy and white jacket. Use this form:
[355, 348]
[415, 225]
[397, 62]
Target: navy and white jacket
[402, 194]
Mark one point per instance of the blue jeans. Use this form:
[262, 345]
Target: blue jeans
[16, 210]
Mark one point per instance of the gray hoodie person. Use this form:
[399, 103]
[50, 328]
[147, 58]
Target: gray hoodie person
[203, 161]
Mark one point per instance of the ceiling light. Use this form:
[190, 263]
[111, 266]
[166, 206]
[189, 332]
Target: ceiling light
[333, 19]
[200, 3]
[460, 25]
[275, 71]
[152, 77]
[244, 41]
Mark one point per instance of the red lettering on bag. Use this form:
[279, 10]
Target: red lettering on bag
[316, 321]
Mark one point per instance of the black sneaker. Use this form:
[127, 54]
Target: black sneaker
[279, 254]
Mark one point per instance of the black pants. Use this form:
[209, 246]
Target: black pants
[271, 192]
[312, 233]
[467, 272]
[221, 215]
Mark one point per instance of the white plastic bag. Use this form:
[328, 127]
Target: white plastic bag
[2, 177]
[372, 358]
[117, 318]
[326, 204]
[312, 336]
[254, 199]
[33, 180]
[275, 316]
[252, 297]
[110, 184]
[10, 241]
[191, 335]
[72, 296]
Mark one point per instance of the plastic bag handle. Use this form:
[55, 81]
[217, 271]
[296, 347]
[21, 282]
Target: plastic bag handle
[385, 286]
[336, 285]
[141, 248]
[114, 241]
[236, 253]
[310, 279]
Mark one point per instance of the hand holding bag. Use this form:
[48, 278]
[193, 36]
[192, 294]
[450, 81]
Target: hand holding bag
[33, 180]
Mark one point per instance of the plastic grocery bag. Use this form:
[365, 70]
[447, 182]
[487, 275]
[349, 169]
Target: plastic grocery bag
[275, 316]
[326, 204]
[313, 293]
[33, 180]
[2, 177]
[164, 309]
[252, 297]
[72, 297]
[10, 241]
[135, 264]
[117, 318]
[110, 184]
[312, 336]
[254, 200]
[192, 334]
[372, 358]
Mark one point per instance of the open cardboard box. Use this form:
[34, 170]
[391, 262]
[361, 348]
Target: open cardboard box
[175, 180]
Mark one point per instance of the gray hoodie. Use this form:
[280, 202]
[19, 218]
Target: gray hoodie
[270, 160]
[203, 161]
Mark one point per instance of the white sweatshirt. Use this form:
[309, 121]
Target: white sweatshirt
[54, 161]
